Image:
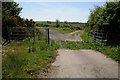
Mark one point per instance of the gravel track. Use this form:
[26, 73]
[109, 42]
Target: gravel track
[82, 64]
[79, 63]
[56, 35]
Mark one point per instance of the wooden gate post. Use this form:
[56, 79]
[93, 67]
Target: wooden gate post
[48, 35]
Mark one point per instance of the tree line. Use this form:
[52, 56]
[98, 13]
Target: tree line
[106, 18]
[61, 24]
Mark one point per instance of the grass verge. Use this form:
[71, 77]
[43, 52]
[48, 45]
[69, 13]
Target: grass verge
[63, 30]
[19, 63]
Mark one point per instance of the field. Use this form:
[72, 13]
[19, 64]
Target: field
[65, 27]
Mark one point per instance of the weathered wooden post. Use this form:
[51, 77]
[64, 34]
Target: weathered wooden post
[48, 39]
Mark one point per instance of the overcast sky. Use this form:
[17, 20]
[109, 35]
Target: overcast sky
[64, 11]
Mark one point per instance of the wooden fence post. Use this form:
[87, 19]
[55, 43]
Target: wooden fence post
[48, 35]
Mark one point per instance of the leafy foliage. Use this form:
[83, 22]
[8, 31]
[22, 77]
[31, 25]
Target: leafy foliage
[109, 13]
[11, 18]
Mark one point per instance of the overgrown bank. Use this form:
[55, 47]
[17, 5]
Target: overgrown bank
[19, 62]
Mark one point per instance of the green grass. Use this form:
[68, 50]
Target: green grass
[22, 64]
[68, 45]
[63, 30]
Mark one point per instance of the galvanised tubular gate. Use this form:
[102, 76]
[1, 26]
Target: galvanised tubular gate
[99, 36]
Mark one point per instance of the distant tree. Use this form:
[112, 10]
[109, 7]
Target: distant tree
[49, 22]
[57, 23]
[65, 22]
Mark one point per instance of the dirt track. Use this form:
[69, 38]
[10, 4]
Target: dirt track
[58, 36]
[83, 64]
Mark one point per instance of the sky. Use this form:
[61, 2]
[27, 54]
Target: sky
[64, 11]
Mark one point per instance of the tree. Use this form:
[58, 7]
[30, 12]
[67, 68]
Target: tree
[49, 22]
[65, 22]
[57, 23]
[109, 13]
[10, 16]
